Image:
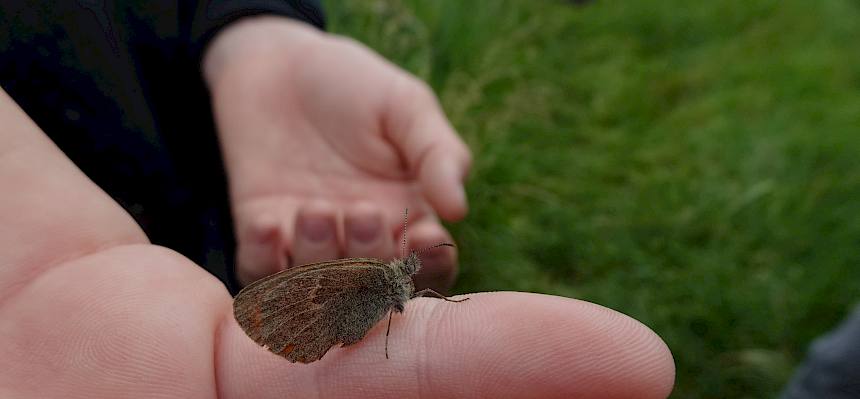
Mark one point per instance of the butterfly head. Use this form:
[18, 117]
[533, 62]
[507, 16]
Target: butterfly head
[411, 264]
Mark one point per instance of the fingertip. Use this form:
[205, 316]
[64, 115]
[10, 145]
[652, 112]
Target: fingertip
[663, 382]
[439, 265]
[363, 222]
[441, 178]
[260, 250]
[316, 236]
[433, 151]
[530, 345]
[364, 232]
[265, 227]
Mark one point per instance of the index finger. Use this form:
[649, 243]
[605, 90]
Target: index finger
[440, 159]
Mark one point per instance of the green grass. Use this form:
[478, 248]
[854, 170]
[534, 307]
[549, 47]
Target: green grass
[695, 165]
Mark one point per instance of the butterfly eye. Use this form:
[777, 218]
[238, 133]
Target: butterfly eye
[412, 263]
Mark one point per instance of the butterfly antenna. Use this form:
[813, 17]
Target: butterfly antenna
[405, 219]
[441, 244]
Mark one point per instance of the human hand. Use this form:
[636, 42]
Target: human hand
[325, 143]
[90, 309]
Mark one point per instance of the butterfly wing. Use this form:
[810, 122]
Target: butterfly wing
[301, 313]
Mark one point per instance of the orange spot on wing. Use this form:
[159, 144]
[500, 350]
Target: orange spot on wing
[256, 320]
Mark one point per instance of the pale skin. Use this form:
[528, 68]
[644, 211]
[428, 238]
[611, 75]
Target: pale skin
[88, 308]
[324, 140]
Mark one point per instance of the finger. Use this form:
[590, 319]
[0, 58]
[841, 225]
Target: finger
[441, 174]
[498, 345]
[438, 265]
[432, 150]
[365, 233]
[315, 237]
[261, 250]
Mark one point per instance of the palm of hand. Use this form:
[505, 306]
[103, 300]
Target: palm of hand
[341, 138]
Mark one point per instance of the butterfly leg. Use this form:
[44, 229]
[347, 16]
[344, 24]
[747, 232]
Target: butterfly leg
[430, 292]
[388, 330]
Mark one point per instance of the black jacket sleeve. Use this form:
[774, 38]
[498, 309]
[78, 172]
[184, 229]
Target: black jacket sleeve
[211, 16]
[117, 85]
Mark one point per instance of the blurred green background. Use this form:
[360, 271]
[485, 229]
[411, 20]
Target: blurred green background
[695, 165]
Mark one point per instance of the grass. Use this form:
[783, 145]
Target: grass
[695, 165]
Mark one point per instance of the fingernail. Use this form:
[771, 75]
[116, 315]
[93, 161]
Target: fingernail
[455, 179]
[316, 228]
[460, 194]
[265, 229]
[365, 229]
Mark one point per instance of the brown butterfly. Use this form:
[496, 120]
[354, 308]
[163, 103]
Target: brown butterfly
[300, 313]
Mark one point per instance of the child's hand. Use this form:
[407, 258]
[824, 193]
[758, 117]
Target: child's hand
[325, 144]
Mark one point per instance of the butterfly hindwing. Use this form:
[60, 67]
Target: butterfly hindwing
[302, 312]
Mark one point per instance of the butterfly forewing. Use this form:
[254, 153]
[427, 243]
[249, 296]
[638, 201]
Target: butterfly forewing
[302, 312]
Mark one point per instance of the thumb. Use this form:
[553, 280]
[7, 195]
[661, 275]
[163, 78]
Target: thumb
[433, 151]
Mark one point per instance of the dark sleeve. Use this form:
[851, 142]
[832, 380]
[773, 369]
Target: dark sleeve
[117, 86]
[210, 16]
[832, 366]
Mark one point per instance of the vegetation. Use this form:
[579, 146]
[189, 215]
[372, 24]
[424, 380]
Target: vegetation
[695, 165]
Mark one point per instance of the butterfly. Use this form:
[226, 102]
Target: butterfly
[301, 312]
